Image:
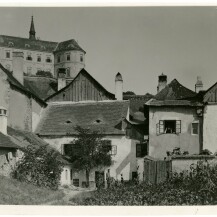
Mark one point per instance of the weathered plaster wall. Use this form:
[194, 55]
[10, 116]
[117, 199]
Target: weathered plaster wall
[20, 111]
[74, 63]
[160, 144]
[210, 128]
[124, 161]
[37, 109]
[4, 90]
[43, 65]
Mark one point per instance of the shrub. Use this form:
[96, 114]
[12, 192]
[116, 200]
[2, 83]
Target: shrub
[195, 187]
[40, 166]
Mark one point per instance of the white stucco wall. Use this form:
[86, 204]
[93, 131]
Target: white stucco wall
[124, 162]
[160, 144]
[210, 128]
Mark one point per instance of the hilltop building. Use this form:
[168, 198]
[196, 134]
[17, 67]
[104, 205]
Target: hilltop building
[42, 56]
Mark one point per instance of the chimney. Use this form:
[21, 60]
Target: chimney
[198, 85]
[17, 64]
[162, 82]
[118, 87]
[61, 78]
[3, 120]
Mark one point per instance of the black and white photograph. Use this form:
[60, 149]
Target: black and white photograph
[108, 106]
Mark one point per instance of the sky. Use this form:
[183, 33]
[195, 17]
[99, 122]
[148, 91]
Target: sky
[138, 42]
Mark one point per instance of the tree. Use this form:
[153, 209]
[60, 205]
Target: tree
[90, 151]
[41, 166]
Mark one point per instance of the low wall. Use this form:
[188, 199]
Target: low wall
[183, 162]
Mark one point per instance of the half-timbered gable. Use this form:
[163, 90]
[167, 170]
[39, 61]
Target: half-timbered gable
[84, 87]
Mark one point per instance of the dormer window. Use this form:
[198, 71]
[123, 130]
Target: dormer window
[27, 46]
[48, 59]
[10, 44]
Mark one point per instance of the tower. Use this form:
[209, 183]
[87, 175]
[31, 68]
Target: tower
[119, 86]
[32, 30]
[162, 82]
[199, 84]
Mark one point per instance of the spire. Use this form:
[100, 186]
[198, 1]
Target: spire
[32, 30]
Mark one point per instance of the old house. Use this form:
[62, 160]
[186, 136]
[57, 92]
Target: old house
[175, 120]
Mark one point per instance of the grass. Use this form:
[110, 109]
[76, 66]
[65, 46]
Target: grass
[13, 192]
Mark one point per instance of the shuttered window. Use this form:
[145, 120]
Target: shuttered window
[141, 150]
[168, 127]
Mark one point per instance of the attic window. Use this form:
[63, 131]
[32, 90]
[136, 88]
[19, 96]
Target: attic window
[10, 44]
[68, 121]
[98, 121]
[27, 45]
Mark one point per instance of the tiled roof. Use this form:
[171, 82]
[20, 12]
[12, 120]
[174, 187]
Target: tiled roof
[25, 138]
[173, 103]
[7, 142]
[15, 83]
[174, 90]
[41, 86]
[68, 45]
[61, 118]
[27, 44]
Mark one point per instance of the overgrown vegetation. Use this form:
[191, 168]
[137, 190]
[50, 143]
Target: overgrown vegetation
[198, 186]
[13, 192]
[40, 166]
[89, 151]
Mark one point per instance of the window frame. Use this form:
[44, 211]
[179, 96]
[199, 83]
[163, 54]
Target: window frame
[81, 58]
[58, 58]
[141, 150]
[198, 128]
[68, 55]
[160, 127]
[39, 58]
[48, 59]
[7, 54]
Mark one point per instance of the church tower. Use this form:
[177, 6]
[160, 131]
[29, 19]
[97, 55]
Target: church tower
[32, 30]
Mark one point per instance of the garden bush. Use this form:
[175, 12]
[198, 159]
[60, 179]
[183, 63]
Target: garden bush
[198, 186]
[40, 166]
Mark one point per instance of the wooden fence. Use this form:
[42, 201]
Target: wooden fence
[157, 171]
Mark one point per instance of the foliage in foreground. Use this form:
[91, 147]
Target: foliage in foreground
[195, 187]
[13, 192]
[40, 166]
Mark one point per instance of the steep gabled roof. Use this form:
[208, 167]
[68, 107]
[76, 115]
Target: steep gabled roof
[43, 87]
[68, 45]
[174, 90]
[16, 84]
[27, 44]
[84, 72]
[59, 119]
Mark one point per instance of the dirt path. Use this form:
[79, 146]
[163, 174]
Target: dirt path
[69, 193]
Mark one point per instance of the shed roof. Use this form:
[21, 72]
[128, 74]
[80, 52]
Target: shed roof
[6, 141]
[59, 119]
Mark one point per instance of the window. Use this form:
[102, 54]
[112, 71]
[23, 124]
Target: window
[76, 182]
[58, 58]
[29, 57]
[141, 149]
[195, 128]
[66, 173]
[48, 59]
[38, 58]
[81, 58]
[29, 70]
[68, 57]
[107, 147]
[8, 54]
[68, 72]
[168, 127]
[3, 112]
[71, 174]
